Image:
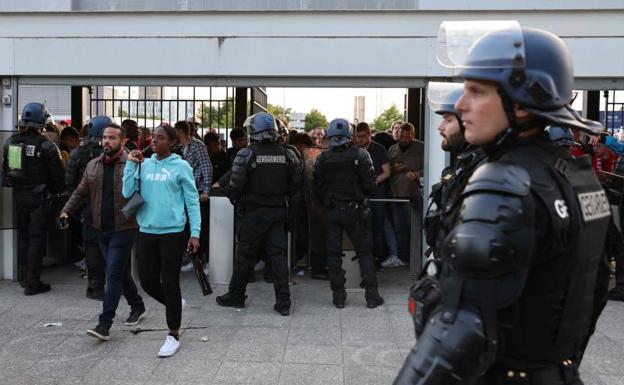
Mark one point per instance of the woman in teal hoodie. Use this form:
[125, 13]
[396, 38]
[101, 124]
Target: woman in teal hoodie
[167, 186]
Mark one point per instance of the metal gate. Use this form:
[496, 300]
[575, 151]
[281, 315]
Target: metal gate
[150, 106]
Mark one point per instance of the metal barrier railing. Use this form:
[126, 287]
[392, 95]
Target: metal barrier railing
[417, 258]
[416, 255]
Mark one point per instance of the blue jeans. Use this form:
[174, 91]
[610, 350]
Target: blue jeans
[116, 247]
[402, 227]
[390, 236]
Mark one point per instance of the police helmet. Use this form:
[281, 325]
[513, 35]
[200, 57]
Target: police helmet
[442, 98]
[562, 136]
[339, 132]
[532, 67]
[97, 126]
[34, 115]
[261, 126]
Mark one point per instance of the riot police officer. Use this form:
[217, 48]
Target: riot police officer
[523, 282]
[34, 169]
[265, 182]
[465, 159]
[76, 165]
[344, 179]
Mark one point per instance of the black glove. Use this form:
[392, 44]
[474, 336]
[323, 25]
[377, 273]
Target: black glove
[425, 296]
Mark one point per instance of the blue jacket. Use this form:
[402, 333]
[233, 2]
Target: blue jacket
[166, 186]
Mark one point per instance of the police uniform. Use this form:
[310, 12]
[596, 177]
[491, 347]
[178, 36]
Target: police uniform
[34, 169]
[344, 179]
[523, 278]
[78, 159]
[265, 182]
[445, 195]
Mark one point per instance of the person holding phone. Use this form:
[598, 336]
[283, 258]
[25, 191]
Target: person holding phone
[167, 186]
[101, 186]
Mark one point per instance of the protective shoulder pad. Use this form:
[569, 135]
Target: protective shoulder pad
[245, 152]
[499, 177]
[48, 145]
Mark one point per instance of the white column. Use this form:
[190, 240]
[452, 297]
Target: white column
[8, 236]
[435, 158]
[221, 262]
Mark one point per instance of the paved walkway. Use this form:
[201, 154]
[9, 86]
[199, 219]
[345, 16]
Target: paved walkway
[317, 344]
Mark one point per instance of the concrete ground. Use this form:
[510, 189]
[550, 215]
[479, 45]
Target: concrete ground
[317, 344]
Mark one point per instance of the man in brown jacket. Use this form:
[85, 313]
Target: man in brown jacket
[101, 185]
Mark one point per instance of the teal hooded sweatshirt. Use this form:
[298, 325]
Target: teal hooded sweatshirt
[166, 186]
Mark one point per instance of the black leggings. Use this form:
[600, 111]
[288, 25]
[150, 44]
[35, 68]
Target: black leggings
[160, 259]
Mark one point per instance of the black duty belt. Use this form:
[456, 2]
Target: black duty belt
[531, 374]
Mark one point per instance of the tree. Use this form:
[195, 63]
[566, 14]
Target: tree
[215, 115]
[387, 117]
[278, 111]
[314, 119]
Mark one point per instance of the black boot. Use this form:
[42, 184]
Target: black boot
[340, 297]
[36, 287]
[21, 277]
[231, 300]
[95, 293]
[616, 294]
[283, 309]
[373, 299]
[267, 276]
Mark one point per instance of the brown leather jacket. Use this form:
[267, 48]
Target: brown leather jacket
[90, 189]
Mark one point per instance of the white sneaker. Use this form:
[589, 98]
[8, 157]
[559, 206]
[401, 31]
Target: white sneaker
[82, 264]
[187, 268]
[392, 261]
[169, 348]
[259, 266]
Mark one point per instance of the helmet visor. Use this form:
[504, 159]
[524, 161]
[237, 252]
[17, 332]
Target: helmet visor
[481, 44]
[247, 122]
[442, 96]
[260, 122]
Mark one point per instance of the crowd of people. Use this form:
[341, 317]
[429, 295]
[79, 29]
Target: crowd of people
[519, 228]
[88, 184]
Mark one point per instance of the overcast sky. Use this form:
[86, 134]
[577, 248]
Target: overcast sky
[337, 102]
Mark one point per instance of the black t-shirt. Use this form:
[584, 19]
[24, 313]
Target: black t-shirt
[379, 155]
[108, 198]
[231, 153]
[220, 165]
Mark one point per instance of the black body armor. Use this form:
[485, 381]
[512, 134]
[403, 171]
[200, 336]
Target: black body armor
[32, 160]
[78, 160]
[445, 195]
[263, 174]
[523, 266]
[344, 175]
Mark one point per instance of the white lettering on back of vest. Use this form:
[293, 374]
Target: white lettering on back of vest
[267, 159]
[594, 205]
[30, 150]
